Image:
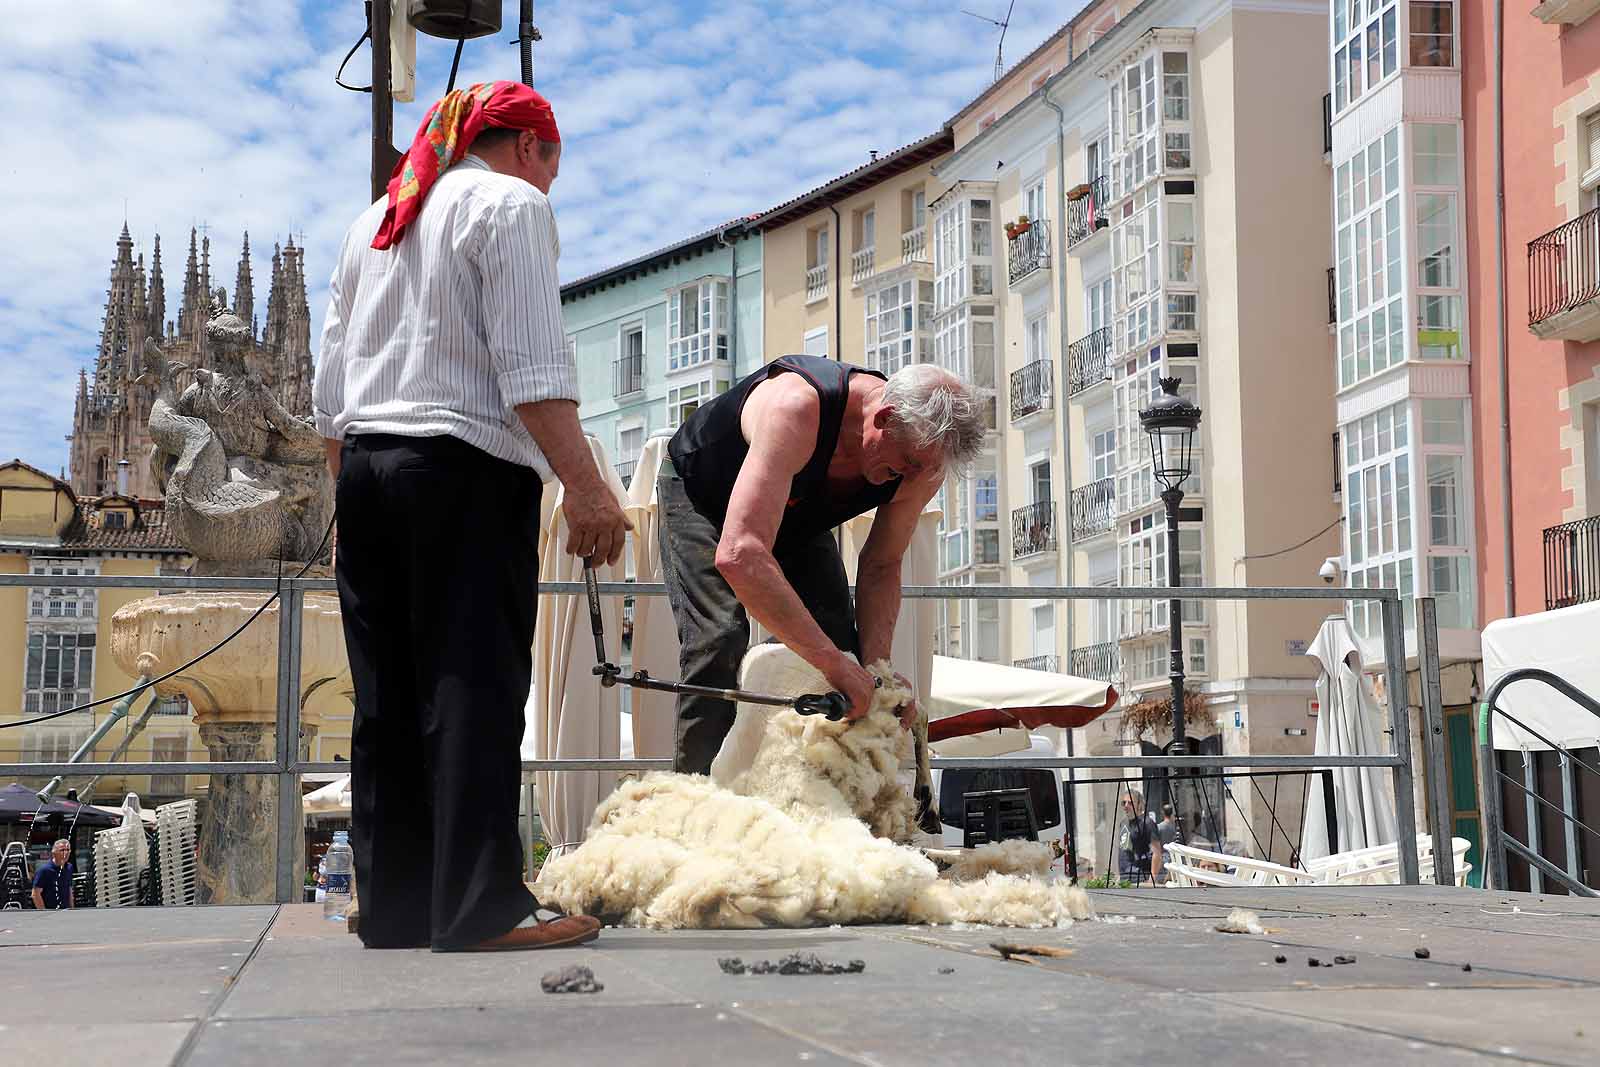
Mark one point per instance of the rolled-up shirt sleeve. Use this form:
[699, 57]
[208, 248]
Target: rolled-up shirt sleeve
[522, 304]
[327, 393]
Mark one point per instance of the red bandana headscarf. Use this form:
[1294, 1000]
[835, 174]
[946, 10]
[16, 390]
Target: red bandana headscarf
[446, 133]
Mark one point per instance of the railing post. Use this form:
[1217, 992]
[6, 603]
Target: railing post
[1530, 787]
[1394, 645]
[1494, 844]
[1444, 864]
[288, 737]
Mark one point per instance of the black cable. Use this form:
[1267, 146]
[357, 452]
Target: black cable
[365, 34]
[136, 690]
[454, 64]
[1291, 548]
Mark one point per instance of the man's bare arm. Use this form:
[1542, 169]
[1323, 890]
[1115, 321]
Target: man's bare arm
[596, 526]
[782, 429]
[878, 570]
[38, 900]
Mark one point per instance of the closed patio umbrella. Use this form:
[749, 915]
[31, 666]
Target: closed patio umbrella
[655, 633]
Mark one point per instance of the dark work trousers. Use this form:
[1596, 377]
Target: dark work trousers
[713, 629]
[438, 569]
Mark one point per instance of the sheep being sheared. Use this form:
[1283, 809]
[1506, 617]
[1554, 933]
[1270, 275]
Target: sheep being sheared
[790, 841]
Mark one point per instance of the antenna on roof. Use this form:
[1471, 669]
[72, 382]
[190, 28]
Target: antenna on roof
[1000, 45]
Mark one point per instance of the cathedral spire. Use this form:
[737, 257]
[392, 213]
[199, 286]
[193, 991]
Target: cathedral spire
[244, 293]
[193, 301]
[156, 302]
[205, 274]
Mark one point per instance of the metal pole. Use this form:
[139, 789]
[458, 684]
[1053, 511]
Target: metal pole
[1394, 644]
[1569, 806]
[1171, 497]
[1330, 810]
[1071, 815]
[118, 711]
[1530, 785]
[1444, 861]
[383, 152]
[527, 33]
[287, 738]
[1494, 846]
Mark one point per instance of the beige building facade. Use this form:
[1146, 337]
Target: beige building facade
[1145, 197]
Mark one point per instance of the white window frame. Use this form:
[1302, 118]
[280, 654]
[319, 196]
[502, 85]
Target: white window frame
[895, 333]
[708, 341]
[1448, 298]
[49, 648]
[1378, 22]
[62, 603]
[811, 347]
[1372, 334]
[696, 392]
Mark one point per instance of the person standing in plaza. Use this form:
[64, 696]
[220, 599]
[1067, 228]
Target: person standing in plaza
[52, 882]
[446, 395]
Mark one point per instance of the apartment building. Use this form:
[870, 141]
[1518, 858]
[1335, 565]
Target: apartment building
[659, 335]
[1146, 197]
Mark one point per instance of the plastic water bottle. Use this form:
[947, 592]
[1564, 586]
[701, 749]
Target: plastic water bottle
[340, 861]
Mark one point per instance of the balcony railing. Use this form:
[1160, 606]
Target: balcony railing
[817, 282]
[1094, 508]
[1102, 662]
[1086, 214]
[1038, 663]
[1563, 276]
[625, 470]
[1089, 361]
[861, 265]
[627, 375]
[1338, 469]
[1327, 123]
[1572, 563]
[914, 246]
[1030, 389]
[1028, 251]
[1333, 297]
[1033, 529]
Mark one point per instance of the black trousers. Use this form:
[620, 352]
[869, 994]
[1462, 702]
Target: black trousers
[713, 629]
[437, 569]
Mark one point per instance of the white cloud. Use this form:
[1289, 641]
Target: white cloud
[675, 116]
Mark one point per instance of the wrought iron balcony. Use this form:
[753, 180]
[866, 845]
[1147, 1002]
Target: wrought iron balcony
[1333, 297]
[1564, 280]
[627, 375]
[1094, 508]
[1572, 563]
[861, 265]
[1327, 124]
[914, 246]
[1089, 361]
[1028, 251]
[1030, 389]
[1038, 663]
[1102, 662]
[1086, 212]
[816, 282]
[1033, 529]
[625, 470]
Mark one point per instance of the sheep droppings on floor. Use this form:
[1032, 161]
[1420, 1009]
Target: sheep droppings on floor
[803, 836]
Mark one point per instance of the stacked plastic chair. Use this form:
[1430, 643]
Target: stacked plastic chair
[121, 855]
[176, 832]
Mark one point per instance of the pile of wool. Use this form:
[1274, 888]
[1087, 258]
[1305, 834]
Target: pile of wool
[803, 835]
[997, 857]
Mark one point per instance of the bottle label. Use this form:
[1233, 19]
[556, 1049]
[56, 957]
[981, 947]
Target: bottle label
[339, 883]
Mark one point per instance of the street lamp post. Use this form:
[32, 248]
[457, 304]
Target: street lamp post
[1171, 422]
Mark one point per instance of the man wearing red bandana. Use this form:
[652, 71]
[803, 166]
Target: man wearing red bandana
[446, 395]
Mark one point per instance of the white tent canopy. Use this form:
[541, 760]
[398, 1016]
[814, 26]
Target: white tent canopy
[963, 685]
[1350, 724]
[1565, 642]
[331, 799]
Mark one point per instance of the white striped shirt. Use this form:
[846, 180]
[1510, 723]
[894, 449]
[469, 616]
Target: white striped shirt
[446, 332]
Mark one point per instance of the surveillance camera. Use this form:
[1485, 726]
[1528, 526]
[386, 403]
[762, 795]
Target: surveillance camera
[1330, 570]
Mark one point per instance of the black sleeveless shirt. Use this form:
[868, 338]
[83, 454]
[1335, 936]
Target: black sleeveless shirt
[709, 449]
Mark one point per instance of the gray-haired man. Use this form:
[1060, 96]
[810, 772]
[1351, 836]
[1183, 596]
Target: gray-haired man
[760, 477]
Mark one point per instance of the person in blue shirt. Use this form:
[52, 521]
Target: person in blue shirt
[52, 882]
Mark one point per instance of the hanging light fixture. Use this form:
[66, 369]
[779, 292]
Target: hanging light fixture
[455, 20]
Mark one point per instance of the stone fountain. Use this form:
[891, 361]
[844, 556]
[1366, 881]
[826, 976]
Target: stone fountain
[248, 495]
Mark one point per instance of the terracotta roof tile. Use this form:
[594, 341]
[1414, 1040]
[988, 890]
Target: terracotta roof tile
[146, 530]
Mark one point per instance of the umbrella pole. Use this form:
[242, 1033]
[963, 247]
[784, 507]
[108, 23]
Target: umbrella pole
[118, 711]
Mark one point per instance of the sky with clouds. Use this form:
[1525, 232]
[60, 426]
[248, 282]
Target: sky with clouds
[675, 116]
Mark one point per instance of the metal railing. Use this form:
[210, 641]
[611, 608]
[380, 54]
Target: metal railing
[1086, 215]
[1572, 563]
[914, 246]
[1102, 662]
[1033, 529]
[1496, 841]
[1564, 267]
[1333, 296]
[1038, 663]
[1089, 361]
[1094, 508]
[1327, 123]
[1031, 389]
[624, 469]
[1028, 251]
[287, 765]
[817, 282]
[627, 375]
[861, 264]
[1338, 466]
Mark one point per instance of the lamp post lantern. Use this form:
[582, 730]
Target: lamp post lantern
[1171, 422]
